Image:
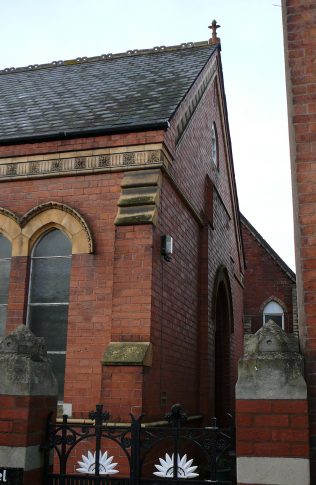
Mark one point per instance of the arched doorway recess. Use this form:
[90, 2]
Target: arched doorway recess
[223, 330]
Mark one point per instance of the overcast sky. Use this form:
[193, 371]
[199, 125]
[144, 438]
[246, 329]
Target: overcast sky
[38, 31]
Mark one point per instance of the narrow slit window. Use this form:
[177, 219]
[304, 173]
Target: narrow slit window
[49, 298]
[5, 268]
[214, 145]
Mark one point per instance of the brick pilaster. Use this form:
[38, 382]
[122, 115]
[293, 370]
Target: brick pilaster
[272, 427]
[18, 288]
[122, 391]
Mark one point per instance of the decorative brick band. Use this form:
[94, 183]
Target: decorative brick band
[81, 164]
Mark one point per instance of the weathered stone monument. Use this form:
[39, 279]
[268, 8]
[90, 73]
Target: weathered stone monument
[271, 411]
[28, 392]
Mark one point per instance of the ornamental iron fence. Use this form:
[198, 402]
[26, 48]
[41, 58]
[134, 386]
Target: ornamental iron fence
[102, 453]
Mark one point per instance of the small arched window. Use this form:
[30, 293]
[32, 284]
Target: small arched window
[214, 145]
[49, 297]
[5, 266]
[273, 311]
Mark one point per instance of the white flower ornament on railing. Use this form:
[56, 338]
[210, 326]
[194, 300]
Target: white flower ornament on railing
[106, 467]
[185, 470]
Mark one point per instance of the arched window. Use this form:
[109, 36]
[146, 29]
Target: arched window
[49, 297]
[214, 145]
[5, 266]
[273, 311]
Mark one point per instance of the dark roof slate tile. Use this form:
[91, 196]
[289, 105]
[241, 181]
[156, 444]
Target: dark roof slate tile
[103, 94]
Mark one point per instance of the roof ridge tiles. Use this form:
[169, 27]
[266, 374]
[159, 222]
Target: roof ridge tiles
[105, 57]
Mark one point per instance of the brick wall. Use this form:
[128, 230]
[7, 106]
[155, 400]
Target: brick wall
[86, 143]
[264, 278]
[23, 419]
[175, 310]
[18, 287]
[123, 391]
[132, 281]
[90, 309]
[272, 428]
[22, 427]
[184, 316]
[300, 43]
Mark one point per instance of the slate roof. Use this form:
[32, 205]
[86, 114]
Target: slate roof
[268, 248]
[106, 93]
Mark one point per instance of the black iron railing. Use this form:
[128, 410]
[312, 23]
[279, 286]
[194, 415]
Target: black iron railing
[152, 455]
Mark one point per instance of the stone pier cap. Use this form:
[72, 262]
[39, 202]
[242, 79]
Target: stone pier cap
[271, 367]
[24, 366]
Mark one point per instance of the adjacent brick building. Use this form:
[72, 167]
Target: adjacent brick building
[101, 158]
[299, 18]
[270, 285]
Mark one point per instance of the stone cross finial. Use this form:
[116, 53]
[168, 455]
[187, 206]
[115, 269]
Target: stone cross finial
[214, 39]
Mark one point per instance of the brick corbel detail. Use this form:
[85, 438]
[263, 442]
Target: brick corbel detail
[139, 200]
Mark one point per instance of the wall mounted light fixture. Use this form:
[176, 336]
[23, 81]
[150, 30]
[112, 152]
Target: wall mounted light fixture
[167, 247]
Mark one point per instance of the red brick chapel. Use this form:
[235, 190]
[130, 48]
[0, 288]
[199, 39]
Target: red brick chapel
[120, 238]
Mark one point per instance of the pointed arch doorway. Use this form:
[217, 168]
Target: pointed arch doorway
[223, 327]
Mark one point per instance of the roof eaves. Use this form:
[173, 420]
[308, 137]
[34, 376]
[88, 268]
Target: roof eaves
[268, 248]
[85, 132]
